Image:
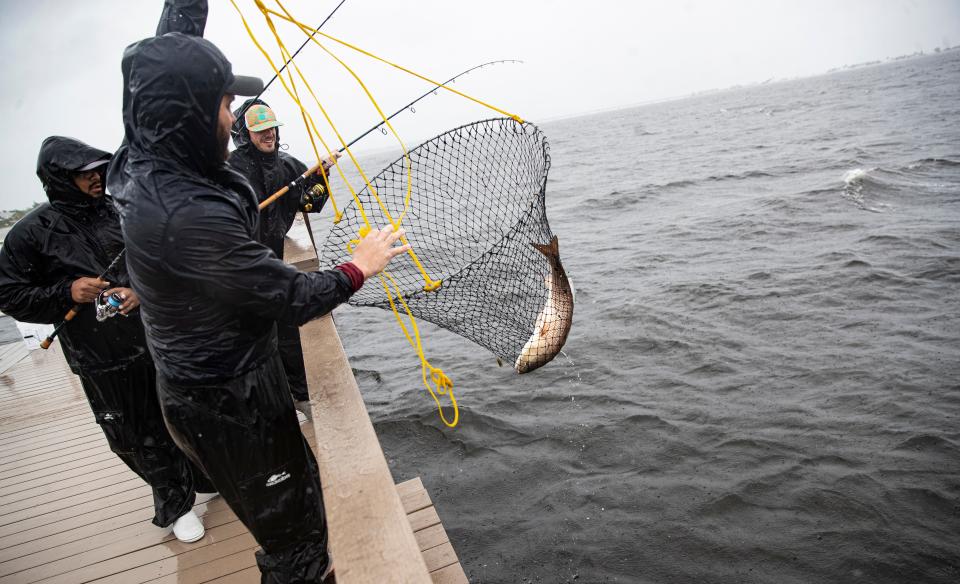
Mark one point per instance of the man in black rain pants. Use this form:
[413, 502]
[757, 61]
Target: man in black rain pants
[211, 295]
[48, 263]
[256, 135]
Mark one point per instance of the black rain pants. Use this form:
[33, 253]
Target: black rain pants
[124, 403]
[243, 433]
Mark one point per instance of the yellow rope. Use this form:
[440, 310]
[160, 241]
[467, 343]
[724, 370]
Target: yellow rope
[429, 283]
[253, 37]
[442, 385]
[394, 65]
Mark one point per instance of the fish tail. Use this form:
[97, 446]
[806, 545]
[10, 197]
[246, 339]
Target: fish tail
[551, 250]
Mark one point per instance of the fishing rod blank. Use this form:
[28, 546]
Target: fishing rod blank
[277, 74]
[414, 102]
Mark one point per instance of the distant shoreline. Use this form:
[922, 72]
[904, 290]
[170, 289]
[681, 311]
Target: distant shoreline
[841, 69]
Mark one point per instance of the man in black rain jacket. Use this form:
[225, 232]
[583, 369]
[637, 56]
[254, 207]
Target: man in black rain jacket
[259, 159]
[211, 295]
[49, 262]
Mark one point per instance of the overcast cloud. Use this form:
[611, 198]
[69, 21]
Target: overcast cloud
[61, 71]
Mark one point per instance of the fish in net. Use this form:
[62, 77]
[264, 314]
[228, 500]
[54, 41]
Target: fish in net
[476, 218]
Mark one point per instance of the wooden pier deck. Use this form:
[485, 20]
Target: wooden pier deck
[71, 512]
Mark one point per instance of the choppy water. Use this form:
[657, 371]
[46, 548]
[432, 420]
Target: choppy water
[763, 382]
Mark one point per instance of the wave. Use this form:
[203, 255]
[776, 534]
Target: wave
[860, 187]
[928, 443]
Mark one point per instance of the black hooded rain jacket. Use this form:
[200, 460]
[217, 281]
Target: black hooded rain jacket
[210, 292]
[72, 236]
[267, 174]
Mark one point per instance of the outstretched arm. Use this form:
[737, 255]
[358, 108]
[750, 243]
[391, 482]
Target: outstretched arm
[215, 251]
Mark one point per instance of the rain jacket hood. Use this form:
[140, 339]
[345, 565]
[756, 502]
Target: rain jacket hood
[173, 85]
[73, 236]
[59, 160]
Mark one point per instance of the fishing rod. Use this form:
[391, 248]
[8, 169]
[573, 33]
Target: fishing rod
[433, 91]
[290, 60]
[76, 307]
[312, 170]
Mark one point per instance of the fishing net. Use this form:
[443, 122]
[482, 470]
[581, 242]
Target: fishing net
[476, 219]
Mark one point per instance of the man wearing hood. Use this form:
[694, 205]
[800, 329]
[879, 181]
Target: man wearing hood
[49, 263]
[257, 156]
[212, 294]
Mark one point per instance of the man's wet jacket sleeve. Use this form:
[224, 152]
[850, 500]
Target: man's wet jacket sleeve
[186, 16]
[216, 253]
[20, 296]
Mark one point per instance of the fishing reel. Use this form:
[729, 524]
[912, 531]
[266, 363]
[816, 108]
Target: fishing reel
[313, 197]
[108, 306]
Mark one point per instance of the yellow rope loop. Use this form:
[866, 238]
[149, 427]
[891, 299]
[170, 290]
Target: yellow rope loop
[439, 380]
[444, 387]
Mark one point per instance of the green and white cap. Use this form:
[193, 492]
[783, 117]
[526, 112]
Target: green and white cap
[260, 117]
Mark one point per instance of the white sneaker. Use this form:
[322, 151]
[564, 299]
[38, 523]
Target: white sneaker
[304, 408]
[188, 528]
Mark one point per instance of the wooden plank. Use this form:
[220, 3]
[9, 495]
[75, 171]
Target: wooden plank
[67, 494]
[63, 435]
[52, 470]
[416, 501]
[423, 518]
[64, 477]
[452, 574]
[130, 537]
[119, 514]
[440, 556]
[120, 557]
[102, 508]
[225, 566]
[192, 559]
[13, 469]
[431, 537]
[42, 450]
[248, 576]
[36, 429]
[410, 487]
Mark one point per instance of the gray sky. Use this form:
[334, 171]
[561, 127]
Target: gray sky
[61, 69]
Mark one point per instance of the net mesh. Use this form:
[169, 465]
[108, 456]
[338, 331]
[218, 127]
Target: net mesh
[476, 218]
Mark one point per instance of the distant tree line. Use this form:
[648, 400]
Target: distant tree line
[8, 218]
